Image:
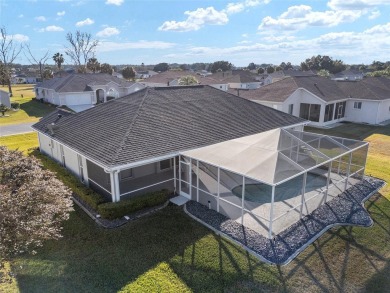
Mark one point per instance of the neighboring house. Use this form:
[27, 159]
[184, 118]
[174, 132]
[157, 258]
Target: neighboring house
[206, 145]
[324, 101]
[348, 74]
[274, 77]
[219, 80]
[145, 74]
[83, 91]
[5, 98]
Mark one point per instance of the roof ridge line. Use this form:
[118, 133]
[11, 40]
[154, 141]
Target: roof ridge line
[128, 131]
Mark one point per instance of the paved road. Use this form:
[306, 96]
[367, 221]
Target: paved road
[15, 128]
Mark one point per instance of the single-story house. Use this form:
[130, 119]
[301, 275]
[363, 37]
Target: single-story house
[239, 79]
[5, 98]
[82, 91]
[324, 101]
[252, 163]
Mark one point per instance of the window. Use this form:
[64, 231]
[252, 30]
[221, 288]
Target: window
[290, 109]
[310, 112]
[340, 110]
[329, 112]
[357, 105]
[62, 156]
[165, 165]
[126, 174]
[81, 168]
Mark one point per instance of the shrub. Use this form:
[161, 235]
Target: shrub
[15, 105]
[113, 210]
[85, 193]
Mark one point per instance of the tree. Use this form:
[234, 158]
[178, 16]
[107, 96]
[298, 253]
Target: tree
[3, 109]
[8, 53]
[323, 73]
[278, 68]
[251, 66]
[40, 62]
[33, 204]
[323, 62]
[260, 70]
[106, 68]
[47, 73]
[188, 80]
[270, 69]
[223, 65]
[82, 47]
[161, 67]
[58, 60]
[93, 64]
[128, 72]
[3, 75]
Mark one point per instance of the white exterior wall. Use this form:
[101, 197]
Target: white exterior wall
[222, 86]
[51, 148]
[5, 99]
[367, 114]
[384, 111]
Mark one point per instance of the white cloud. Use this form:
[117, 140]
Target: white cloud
[51, 28]
[374, 14]
[114, 2]
[84, 22]
[40, 18]
[19, 38]
[301, 16]
[355, 4]
[244, 35]
[200, 17]
[114, 46]
[196, 19]
[107, 32]
[61, 13]
[351, 47]
[20, 15]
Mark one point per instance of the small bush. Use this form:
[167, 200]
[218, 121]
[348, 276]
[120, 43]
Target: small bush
[86, 194]
[113, 210]
[15, 105]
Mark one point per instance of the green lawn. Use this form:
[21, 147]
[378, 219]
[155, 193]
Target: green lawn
[22, 142]
[169, 252]
[30, 111]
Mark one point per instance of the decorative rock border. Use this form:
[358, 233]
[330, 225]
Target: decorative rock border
[346, 209]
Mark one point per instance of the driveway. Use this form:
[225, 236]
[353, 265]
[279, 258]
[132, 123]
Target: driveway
[16, 128]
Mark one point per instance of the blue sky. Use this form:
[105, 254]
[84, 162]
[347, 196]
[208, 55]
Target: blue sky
[187, 31]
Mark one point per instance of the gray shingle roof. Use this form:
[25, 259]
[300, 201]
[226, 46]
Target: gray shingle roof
[370, 88]
[158, 121]
[80, 82]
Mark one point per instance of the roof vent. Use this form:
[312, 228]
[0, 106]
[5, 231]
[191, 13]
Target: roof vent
[52, 127]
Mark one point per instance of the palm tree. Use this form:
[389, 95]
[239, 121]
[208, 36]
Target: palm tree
[58, 59]
[188, 80]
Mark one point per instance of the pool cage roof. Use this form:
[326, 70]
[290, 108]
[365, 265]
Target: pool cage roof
[275, 156]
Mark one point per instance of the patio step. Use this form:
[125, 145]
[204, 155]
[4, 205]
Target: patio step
[179, 200]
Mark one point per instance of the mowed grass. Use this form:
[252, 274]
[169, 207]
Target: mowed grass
[169, 252]
[30, 111]
[22, 142]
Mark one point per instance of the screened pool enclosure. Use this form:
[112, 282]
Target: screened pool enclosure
[268, 181]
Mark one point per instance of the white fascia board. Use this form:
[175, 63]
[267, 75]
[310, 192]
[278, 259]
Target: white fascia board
[81, 154]
[366, 100]
[304, 123]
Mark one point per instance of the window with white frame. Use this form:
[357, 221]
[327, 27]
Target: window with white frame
[290, 109]
[81, 168]
[62, 156]
[165, 165]
[126, 174]
[357, 105]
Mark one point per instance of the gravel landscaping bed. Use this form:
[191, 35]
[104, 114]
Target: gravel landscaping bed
[346, 209]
